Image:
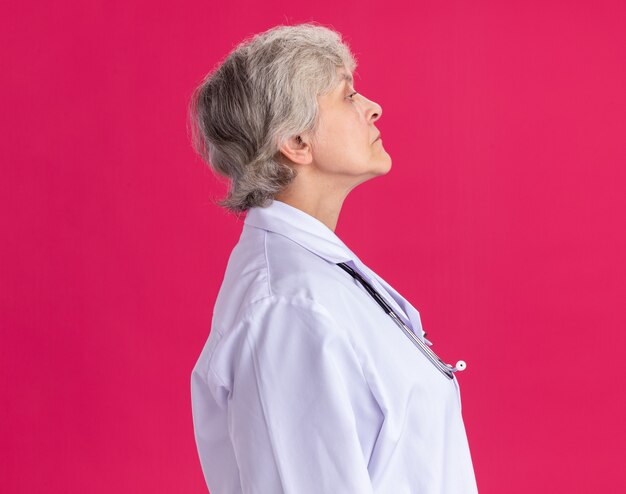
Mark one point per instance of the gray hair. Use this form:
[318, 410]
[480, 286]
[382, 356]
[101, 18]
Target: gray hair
[264, 92]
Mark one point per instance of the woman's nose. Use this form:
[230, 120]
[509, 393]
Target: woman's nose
[375, 111]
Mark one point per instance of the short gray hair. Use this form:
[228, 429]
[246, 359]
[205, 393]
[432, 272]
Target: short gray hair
[264, 92]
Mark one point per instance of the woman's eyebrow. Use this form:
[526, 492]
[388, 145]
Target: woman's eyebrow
[345, 79]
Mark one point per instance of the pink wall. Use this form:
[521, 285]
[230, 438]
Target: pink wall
[502, 220]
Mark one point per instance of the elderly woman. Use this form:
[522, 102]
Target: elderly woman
[316, 376]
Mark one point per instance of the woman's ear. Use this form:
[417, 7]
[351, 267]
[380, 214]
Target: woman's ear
[297, 150]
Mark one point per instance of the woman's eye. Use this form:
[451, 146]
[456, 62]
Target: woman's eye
[351, 95]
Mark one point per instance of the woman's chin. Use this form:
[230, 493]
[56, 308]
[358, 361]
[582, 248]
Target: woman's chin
[386, 165]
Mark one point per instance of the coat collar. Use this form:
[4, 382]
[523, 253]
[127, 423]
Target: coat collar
[304, 229]
[309, 232]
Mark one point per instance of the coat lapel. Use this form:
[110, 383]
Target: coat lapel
[409, 311]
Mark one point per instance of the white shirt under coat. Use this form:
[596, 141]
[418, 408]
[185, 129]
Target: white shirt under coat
[306, 386]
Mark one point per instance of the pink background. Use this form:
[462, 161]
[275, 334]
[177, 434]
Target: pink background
[502, 220]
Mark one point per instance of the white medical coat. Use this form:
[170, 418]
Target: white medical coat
[306, 386]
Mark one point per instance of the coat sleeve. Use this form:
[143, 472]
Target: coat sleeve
[293, 426]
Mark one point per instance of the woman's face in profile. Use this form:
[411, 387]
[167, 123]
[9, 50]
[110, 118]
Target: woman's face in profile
[346, 142]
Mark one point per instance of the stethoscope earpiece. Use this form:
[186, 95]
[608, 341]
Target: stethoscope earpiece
[460, 365]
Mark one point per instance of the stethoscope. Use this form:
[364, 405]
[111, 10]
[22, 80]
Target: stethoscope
[446, 369]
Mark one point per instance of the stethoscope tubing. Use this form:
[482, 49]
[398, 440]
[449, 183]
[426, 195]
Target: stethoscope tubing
[446, 369]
